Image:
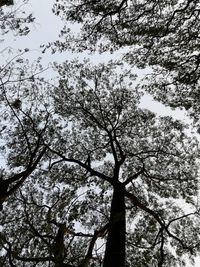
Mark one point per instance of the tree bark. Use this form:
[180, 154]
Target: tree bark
[115, 245]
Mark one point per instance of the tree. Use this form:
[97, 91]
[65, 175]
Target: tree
[12, 73]
[161, 34]
[42, 239]
[130, 144]
[17, 82]
[100, 143]
[15, 120]
[95, 164]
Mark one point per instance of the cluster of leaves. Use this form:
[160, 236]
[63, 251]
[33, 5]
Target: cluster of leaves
[14, 19]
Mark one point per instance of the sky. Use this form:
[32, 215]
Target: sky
[43, 32]
[45, 29]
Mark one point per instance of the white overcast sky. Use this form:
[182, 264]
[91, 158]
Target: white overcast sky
[46, 29]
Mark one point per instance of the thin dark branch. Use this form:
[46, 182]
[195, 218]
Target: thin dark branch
[132, 177]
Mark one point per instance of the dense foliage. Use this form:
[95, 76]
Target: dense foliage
[88, 177]
[161, 34]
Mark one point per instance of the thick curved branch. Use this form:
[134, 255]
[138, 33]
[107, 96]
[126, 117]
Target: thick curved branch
[81, 164]
[19, 178]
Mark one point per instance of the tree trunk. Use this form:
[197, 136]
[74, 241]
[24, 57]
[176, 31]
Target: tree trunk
[115, 245]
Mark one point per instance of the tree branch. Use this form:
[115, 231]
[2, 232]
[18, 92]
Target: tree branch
[83, 165]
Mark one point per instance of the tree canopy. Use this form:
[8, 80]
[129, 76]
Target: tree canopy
[98, 142]
[161, 34]
[88, 177]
